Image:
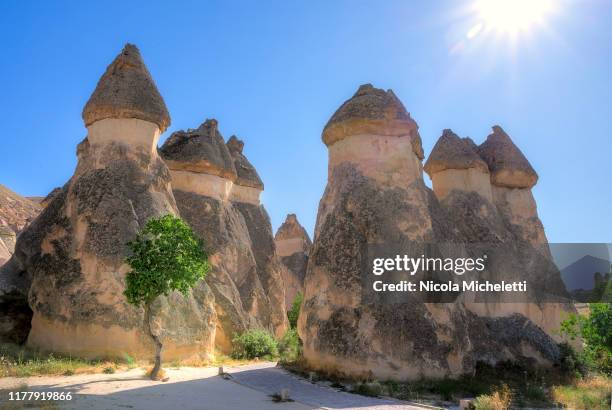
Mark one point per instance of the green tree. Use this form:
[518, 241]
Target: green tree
[165, 256]
[294, 312]
[595, 329]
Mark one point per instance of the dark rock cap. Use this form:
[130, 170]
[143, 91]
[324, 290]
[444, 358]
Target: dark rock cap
[452, 152]
[202, 150]
[247, 175]
[127, 90]
[372, 111]
[507, 164]
[291, 228]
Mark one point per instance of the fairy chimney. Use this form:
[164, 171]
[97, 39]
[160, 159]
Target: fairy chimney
[293, 247]
[247, 186]
[75, 252]
[373, 131]
[454, 165]
[512, 178]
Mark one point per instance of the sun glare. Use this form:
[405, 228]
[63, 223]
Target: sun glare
[512, 16]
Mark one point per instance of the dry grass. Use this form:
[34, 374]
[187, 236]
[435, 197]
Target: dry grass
[16, 361]
[593, 393]
[498, 400]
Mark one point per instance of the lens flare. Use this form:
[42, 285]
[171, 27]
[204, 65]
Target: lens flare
[513, 16]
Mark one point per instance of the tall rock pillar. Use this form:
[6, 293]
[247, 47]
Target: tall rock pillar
[215, 188]
[74, 252]
[293, 247]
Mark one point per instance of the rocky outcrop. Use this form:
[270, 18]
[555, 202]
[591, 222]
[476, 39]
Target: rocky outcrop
[377, 205]
[217, 191]
[465, 185]
[74, 253]
[293, 246]
[16, 212]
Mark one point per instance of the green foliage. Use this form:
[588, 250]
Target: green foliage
[165, 256]
[294, 312]
[254, 343]
[571, 362]
[290, 346]
[596, 331]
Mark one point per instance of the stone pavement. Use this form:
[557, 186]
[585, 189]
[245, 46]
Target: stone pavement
[269, 379]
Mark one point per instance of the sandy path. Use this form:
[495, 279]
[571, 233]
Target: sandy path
[196, 388]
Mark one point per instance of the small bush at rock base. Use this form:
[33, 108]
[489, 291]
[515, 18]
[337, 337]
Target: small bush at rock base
[254, 343]
[289, 346]
[498, 400]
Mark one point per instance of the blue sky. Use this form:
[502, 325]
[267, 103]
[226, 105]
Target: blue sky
[274, 72]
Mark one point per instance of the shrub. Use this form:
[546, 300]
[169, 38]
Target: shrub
[498, 400]
[596, 331]
[294, 312]
[289, 346]
[254, 343]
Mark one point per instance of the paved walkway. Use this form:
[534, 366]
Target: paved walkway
[192, 388]
[270, 379]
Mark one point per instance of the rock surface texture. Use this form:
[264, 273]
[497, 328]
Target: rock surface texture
[16, 212]
[73, 253]
[293, 247]
[376, 200]
[217, 191]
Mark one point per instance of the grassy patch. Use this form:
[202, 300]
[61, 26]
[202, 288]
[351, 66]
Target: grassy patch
[16, 361]
[494, 387]
[593, 393]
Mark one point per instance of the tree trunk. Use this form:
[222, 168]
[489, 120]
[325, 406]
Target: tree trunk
[156, 341]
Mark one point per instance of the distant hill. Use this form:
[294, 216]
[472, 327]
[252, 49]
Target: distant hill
[579, 275]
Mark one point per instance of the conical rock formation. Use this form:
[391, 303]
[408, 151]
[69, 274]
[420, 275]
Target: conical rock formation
[293, 247]
[74, 252]
[217, 191]
[127, 90]
[377, 205]
[454, 165]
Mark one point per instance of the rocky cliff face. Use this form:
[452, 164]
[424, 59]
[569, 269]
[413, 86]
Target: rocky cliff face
[376, 200]
[73, 253]
[217, 191]
[293, 246]
[16, 212]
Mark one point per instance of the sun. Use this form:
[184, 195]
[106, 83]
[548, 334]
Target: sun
[512, 16]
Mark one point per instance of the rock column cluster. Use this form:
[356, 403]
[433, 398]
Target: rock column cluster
[376, 199]
[217, 191]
